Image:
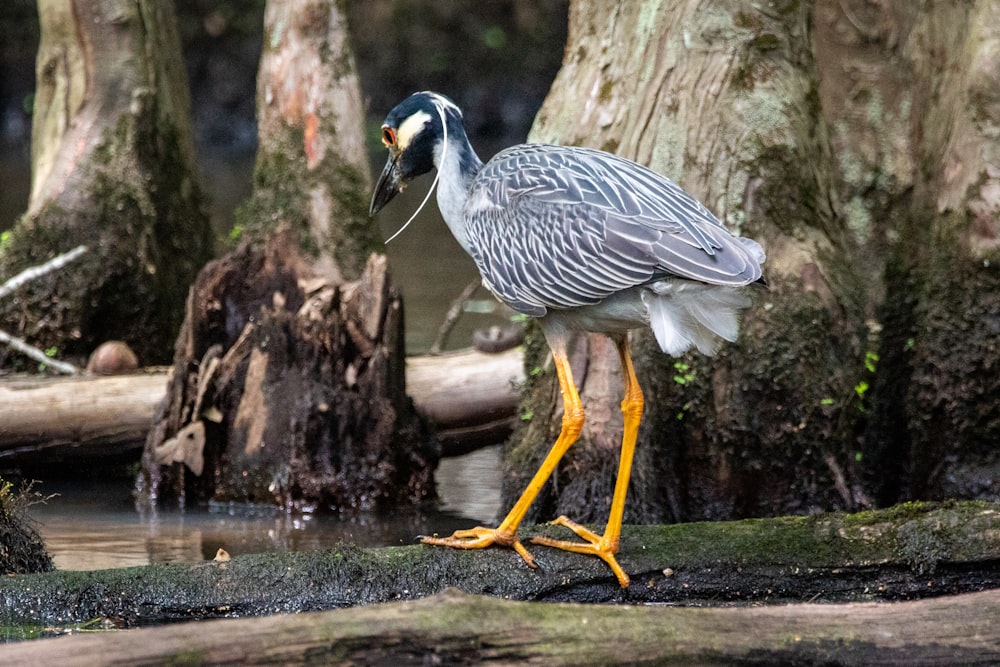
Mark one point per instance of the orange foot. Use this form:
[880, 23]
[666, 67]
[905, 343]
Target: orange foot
[594, 544]
[480, 538]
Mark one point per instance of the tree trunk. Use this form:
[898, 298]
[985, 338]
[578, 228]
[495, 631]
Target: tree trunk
[288, 384]
[113, 169]
[312, 173]
[917, 96]
[878, 254]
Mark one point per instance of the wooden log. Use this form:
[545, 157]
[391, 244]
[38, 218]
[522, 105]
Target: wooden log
[56, 419]
[454, 628]
[911, 551]
[469, 396]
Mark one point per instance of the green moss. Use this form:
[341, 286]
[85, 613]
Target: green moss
[283, 193]
[148, 236]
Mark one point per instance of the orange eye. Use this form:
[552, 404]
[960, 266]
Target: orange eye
[388, 136]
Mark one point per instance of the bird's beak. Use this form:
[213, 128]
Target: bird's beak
[388, 185]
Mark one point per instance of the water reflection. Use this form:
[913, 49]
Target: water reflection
[92, 526]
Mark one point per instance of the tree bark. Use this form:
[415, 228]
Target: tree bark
[914, 89]
[754, 112]
[908, 552]
[453, 628]
[113, 169]
[288, 384]
[312, 173]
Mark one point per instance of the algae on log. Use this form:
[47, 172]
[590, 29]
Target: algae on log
[908, 552]
[871, 355]
[112, 169]
[288, 383]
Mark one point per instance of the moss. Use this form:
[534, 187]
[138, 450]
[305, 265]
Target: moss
[138, 210]
[21, 548]
[283, 191]
[953, 400]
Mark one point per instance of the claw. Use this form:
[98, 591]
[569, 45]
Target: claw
[480, 538]
[594, 544]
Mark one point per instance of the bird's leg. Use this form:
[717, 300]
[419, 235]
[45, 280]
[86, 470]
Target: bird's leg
[506, 533]
[606, 546]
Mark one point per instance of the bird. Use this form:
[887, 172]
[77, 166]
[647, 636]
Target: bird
[583, 241]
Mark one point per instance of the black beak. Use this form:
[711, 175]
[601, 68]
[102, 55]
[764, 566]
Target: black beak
[388, 184]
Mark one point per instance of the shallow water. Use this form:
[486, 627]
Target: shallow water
[92, 526]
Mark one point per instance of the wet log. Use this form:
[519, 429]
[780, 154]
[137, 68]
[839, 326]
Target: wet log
[468, 396]
[454, 628]
[907, 552]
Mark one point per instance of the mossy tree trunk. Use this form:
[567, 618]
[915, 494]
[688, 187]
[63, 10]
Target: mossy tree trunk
[288, 384]
[857, 142]
[112, 168]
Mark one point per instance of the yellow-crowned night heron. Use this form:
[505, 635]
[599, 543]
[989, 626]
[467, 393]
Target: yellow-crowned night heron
[582, 240]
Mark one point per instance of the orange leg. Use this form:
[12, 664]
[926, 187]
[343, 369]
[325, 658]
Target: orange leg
[606, 546]
[506, 533]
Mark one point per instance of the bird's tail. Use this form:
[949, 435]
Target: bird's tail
[686, 314]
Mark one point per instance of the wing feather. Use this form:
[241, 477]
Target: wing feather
[559, 227]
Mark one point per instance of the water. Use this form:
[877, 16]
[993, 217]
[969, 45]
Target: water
[431, 270]
[94, 525]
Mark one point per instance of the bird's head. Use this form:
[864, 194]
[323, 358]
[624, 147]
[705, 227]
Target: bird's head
[412, 132]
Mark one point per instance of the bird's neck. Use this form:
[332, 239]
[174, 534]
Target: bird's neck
[458, 166]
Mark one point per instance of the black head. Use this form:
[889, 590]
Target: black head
[412, 132]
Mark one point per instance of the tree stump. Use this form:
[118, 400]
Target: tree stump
[289, 390]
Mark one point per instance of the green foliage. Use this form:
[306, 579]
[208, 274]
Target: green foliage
[685, 375]
[871, 359]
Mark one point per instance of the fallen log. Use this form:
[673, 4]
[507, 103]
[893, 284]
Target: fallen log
[454, 628]
[910, 551]
[55, 419]
[469, 396]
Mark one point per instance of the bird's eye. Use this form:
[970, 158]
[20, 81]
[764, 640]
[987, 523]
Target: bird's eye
[388, 136]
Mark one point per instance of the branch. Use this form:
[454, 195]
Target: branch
[23, 278]
[36, 354]
[35, 272]
[451, 317]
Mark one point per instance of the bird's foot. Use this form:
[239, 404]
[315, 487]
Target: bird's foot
[480, 538]
[594, 544]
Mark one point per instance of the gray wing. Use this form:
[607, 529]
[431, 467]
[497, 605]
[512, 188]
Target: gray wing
[559, 227]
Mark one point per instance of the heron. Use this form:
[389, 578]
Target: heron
[583, 241]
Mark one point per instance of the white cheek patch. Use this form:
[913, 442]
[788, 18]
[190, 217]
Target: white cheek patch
[410, 128]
